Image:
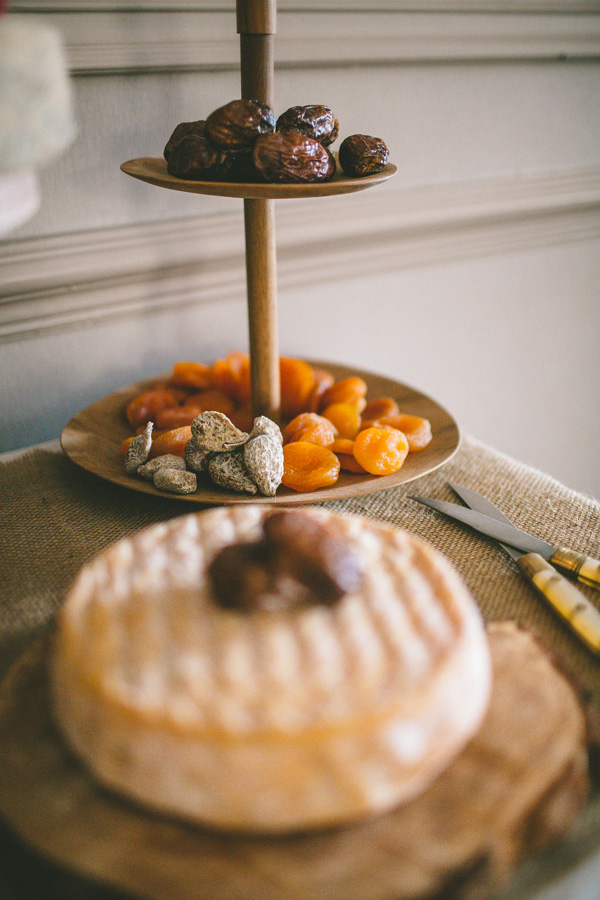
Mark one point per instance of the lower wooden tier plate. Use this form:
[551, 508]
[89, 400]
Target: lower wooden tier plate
[516, 788]
[93, 438]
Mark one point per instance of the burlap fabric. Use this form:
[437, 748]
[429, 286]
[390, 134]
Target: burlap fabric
[54, 517]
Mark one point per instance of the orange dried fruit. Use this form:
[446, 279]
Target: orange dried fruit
[176, 417]
[211, 400]
[232, 375]
[242, 417]
[191, 375]
[296, 384]
[171, 442]
[321, 381]
[352, 390]
[417, 430]
[380, 406]
[344, 450]
[345, 418]
[308, 467]
[381, 451]
[311, 428]
[143, 408]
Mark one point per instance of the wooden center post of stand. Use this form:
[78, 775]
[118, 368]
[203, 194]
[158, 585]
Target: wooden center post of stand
[256, 27]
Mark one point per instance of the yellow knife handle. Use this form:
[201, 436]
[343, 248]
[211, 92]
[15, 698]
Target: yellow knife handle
[584, 568]
[567, 600]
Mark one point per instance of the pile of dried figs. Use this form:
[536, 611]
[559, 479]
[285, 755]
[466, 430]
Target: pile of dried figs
[242, 141]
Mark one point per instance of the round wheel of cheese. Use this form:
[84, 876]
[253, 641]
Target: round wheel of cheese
[271, 719]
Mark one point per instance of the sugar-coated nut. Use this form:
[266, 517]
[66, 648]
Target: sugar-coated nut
[227, 470]
[263, 458]
[168, 460]
[138, 450]
[175, 480]
[215, 431]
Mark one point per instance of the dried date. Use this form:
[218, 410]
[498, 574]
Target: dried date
[196, 159]
[361, 154]
[237, 125]
[291, 158]
[184, 129]
[316, 122]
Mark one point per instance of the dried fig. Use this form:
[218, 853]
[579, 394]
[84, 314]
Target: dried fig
[196, 159]
[316, 122]
[236, 125]
[292, 158]
[184, 129]
[361, 154]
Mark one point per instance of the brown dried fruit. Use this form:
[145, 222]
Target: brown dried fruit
[291, 158]
[138, 450]
[184, 129]
[196, 159]
[196, 459]
[312, 552]
[263, 458]
[264, 425]
[175, 481]
[214, 431]
[227, 470]
[316, 122]
[236, 125]
[361, 154]
[240, 576]
[167, 461]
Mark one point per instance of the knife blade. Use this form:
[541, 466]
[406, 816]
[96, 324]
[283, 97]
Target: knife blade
[497, 526]
[564, 597]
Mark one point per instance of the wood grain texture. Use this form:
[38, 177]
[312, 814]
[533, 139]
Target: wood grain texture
[514, 790]
[153, 170]
[93, 437]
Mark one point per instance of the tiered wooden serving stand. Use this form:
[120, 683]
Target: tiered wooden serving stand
[92, 438]
[256, 27]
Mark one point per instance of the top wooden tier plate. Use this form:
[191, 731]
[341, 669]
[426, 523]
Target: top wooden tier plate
[93, 437]
[153, 169]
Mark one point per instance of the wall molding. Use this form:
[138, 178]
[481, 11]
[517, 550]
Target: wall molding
[370, 6]
[67, 281]
[103, 41]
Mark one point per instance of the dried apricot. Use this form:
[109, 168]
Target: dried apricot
[417, 430]
[143, 408]
[191, 375]
[232, 375]
[311, 428]
[344, 450]
[176, 417]
[212, 399]
[345, 418]
[296, 384]
[242, 417]
[381, 406]
[381, 451]
[308, 467]
[171, 442]
[321, 381]
[352, 390]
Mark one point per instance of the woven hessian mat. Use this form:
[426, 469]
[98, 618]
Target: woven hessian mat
[54, 517]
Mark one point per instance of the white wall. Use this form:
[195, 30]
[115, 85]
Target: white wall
[472, 275]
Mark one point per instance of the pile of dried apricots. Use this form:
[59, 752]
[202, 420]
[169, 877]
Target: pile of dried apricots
[329, 425]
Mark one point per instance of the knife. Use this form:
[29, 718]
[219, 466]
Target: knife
[534, 562]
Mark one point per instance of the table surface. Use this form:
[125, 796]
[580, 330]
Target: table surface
[54, 517]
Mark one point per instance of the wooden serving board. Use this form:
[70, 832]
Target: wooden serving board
[92, 439]
[515, 789]
[153, 170]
